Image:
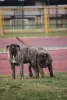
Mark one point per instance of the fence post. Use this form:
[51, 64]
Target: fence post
[46, 20]
[1, 22]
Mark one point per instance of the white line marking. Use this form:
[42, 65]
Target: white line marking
[47, 48]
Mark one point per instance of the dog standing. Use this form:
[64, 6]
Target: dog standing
[39, 58]
[20, 57]
[15, 58]
[43, 60]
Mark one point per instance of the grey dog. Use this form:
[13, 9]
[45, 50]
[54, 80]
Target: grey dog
[15, 58]
[38, 58]
[20, 57]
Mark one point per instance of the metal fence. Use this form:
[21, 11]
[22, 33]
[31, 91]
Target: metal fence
[23, 19]
[58, 18]
[42, 19]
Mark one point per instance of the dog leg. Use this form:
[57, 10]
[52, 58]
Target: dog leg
[30, 71]
[21, 71]
[13, 71]
[41, 71]
[36, 72]
[50, 71]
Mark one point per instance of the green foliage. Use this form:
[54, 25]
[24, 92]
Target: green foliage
[34, 89]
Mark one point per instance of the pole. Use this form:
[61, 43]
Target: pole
[1, 22]
[46, 21]
[22, 14]
[21, 4]
[56, 13]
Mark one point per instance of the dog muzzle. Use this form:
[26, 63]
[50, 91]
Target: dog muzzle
[42, 64]
[13, 51]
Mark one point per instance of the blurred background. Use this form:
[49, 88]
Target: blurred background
[31, 2]
[36, 15]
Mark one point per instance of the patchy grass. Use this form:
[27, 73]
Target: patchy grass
[2, 50]
[8, 35]
[34, 89]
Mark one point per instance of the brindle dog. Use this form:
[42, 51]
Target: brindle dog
[15, 58]
[39, 58]
[20, 57]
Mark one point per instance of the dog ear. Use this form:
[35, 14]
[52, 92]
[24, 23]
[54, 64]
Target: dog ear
[7, 48]
[18, 47]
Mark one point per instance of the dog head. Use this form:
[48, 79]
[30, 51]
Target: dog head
[41, 59]
[13, 49]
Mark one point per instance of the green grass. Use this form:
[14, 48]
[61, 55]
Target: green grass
[34, 89]
[10, 35]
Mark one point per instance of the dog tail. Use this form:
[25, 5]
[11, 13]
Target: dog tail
[22, 42]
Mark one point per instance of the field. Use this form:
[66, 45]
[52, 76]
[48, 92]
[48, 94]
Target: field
[38, 34]
[34, 89]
